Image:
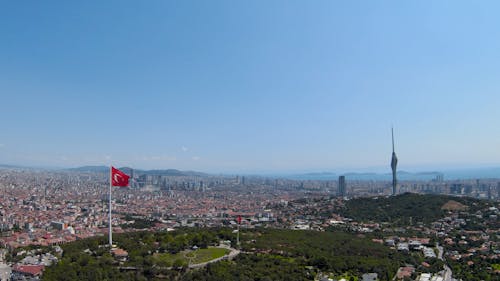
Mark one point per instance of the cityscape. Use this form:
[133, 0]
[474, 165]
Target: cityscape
[249, 141]
[49, 208]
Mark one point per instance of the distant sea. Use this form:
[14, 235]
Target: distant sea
[462, 174]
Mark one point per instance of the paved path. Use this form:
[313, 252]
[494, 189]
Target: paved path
[447, 271]
[229, 256]
[447, 274]
[440, 250]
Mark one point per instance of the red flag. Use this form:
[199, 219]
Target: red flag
[239, 219]
[118, 178]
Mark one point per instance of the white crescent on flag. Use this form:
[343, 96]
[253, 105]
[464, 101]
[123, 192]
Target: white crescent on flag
[117, 177]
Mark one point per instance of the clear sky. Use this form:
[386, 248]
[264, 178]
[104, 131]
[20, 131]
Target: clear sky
[250, 86]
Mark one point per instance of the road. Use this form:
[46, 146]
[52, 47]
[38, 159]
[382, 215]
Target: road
[229, 256]
[447, 271]
[447, 274]
[440, 251]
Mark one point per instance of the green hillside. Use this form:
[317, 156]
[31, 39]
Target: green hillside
[268, 254]
[399, 209]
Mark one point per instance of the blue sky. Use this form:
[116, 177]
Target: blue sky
[250, 86]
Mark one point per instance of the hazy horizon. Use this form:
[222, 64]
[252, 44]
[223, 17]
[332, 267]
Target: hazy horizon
[226, 86]
[452, 172]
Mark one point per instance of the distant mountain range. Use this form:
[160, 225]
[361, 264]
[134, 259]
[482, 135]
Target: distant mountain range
[90, 169]
[472, 173]
[10, 166]
[128, 170]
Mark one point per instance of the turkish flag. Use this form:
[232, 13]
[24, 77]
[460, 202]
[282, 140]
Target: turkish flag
[118, 178]
[239, 219]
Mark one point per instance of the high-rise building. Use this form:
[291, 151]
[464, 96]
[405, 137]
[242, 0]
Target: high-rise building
[342, 186]
[456, 188]
[132, 179]
[439, 178]
[394, 164]
[468, 189]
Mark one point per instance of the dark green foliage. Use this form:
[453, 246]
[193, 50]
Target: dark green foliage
[399, 209]
[252, 267]
[89, 259]
[273, 255]
[475, 271]
[336, 252]
[139, 223]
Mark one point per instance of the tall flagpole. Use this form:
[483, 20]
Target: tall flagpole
[110, 226]
[238, 220]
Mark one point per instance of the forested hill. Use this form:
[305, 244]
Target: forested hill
[402, 209]
[274, 254]
[267, 254]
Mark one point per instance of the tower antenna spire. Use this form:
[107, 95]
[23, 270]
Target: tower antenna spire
[392, 132]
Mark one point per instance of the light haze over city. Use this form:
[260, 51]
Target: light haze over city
[250, 86]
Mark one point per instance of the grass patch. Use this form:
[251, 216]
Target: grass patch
[204, 255]
[190, 257]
